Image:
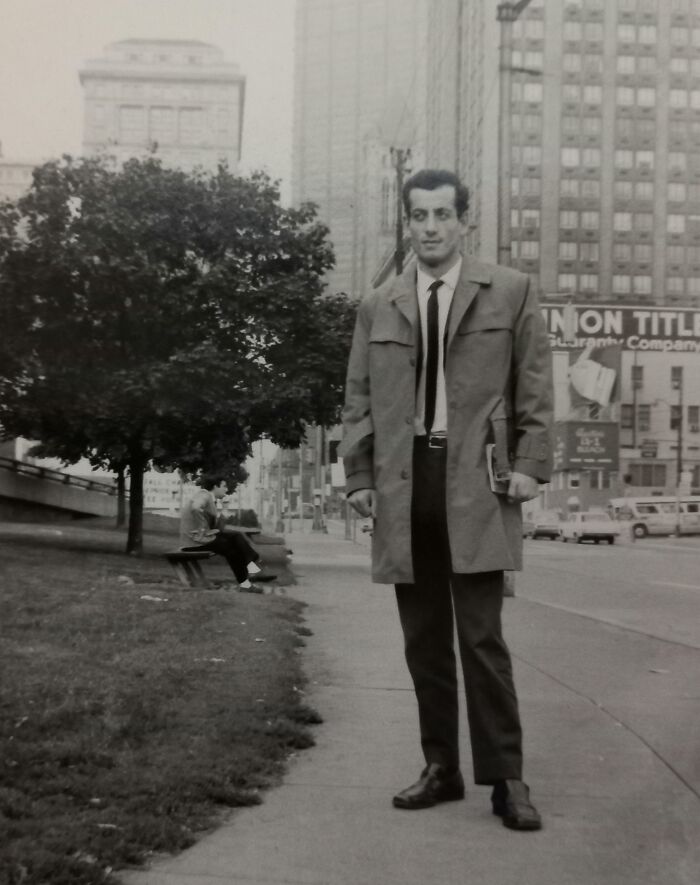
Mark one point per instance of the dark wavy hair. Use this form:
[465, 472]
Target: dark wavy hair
[429, 180]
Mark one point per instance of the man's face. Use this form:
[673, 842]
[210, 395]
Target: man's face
[436, 229]
[221, 490]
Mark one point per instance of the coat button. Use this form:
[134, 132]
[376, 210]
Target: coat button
[404, 474]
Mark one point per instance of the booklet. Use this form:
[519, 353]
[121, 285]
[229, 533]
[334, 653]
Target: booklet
[500, 481]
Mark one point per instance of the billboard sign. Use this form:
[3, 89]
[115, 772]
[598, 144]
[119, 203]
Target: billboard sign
[641, 328]
[580, 445]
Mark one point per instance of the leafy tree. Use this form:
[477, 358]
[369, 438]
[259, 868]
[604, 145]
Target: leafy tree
[153, 316]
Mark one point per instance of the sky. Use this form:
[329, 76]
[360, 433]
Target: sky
[44, 43]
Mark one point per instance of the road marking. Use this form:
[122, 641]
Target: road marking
[674, 584]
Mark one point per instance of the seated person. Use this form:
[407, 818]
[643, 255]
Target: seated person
[201, 528]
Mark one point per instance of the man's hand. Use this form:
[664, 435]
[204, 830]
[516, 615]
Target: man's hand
[363, 501]
[522, 488]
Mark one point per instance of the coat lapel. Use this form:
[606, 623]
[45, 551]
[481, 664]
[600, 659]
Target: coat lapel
[472, 277]
[404, 296]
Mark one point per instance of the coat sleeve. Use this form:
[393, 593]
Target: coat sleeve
[357, 447]
[532, 391]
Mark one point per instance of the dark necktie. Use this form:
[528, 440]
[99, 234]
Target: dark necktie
[431, 361]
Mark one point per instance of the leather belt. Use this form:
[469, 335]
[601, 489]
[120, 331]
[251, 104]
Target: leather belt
[433, 440]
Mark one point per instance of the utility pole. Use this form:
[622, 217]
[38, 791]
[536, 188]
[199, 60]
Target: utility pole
[400, 160]
[507, 14]
[677, 384]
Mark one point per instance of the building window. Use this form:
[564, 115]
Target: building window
[678, 98]
[592, 94]
[643, 221]
[627, 416]
[642, 253]
[570, 157]
[592, 125]
[568, 219]
[644, 190]
[626, 33]
[649, 475]
[589, 282]
[646, 64]
[530, 249]
[624, 159]
[530, 218]
[566, 282]
[625, 96]
[675, 224]
[573, 32]
[593, 32]
[674, 419]
[191, 125]
[622, 221]
[646, 97]
[642, 285]
[679, 65]
[676, 192]
[625, 127]
[589, 251]
[593, 64]
[591, 157]
[675, 285]
[569, 187]
[567, 250]
[644, 417]
[647, 34]
[532, 92]
[623, 190]
[621, 284]
[675, 254]
[644, 159]
[590, 220]
[625, 64]
[571, 93]
[637, 377]
[676, 161]
[694, 419]
[590, 188]
[693, 285]
[570, 125]
[532, 155]
[572, 62]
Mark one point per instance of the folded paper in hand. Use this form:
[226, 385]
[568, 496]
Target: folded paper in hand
[499, 480]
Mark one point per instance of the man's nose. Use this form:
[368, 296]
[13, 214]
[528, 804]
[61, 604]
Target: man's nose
[430, 221]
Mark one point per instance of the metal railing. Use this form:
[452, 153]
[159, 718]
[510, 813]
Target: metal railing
[91, 485]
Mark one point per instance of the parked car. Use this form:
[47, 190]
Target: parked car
[589, 526]
[546, 525]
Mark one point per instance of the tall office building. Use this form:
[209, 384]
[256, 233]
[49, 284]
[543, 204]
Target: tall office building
[599, 102]
[605, 140]
[177, 97]
[359, 90]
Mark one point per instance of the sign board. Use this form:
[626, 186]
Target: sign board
[642, 328]
[649, 448]
[586, 444]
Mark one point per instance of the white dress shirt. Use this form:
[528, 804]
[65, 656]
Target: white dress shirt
[444, 295]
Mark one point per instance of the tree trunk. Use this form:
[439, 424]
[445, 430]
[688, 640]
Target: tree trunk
[134, 541]
[121, 497]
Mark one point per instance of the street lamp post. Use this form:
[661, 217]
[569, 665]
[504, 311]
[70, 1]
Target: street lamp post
[677, 384]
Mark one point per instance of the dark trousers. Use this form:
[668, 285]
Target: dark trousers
[429, 609]
[236, 550]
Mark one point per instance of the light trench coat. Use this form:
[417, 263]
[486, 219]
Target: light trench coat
[499, 389]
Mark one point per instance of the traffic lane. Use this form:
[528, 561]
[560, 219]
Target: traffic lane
[581, 682]
[651, 589]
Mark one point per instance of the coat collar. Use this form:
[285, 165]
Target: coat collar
[473, 275]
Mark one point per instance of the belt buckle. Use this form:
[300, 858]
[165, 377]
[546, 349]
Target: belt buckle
[436, 442]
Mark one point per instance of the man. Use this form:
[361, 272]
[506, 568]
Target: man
[200, 523]
[447, 360]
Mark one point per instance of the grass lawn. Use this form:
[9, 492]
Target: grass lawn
[129, 724]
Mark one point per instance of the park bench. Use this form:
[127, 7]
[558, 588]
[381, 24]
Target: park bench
[186, 562]
[186, 565]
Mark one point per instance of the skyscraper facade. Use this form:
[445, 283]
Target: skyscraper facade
[359, 91]
[597, 197]
[177, 98]
[604, 121]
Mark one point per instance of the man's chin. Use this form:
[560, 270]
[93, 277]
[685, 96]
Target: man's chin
[431, 259]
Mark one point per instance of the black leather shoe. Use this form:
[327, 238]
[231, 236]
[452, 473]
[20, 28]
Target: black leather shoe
[436, 784]
[510, 800]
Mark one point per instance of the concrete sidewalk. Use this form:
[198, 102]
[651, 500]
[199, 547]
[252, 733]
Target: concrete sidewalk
[614, 813]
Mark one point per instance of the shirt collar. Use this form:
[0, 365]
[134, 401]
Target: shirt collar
[449, 279]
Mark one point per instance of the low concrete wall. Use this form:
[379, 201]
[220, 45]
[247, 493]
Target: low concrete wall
[52, 496]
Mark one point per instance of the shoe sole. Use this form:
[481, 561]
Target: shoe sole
[514, 824]
[407, 805]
